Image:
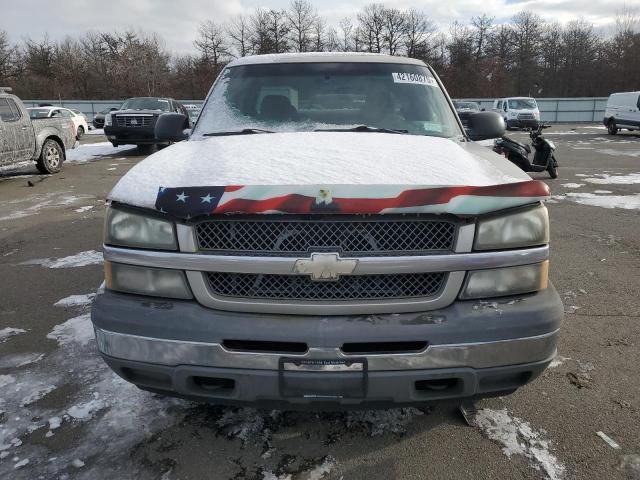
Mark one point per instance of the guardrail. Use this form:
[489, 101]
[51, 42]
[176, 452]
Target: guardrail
[580, 109]
[561, 110]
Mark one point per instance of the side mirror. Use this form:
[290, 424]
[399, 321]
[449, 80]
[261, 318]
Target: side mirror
[485, 125]
[113, 109]
[170, 127]
[483, 109]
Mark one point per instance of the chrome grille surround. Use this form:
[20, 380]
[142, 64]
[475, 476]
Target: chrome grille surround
[135, 120]
[352, 236]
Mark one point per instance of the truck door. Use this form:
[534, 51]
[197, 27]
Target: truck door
[25, 139]
[7, 134]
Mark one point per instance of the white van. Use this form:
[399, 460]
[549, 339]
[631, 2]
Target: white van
[623, 111]
[518, 112]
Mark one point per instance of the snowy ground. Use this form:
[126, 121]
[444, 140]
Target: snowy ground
[65, 415]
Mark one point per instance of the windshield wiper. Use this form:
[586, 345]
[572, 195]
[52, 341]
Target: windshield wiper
[362, 128]
[245, 131]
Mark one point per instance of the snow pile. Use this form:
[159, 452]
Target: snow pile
[87, 410]
[573, 185]
[245, 424]
[37, 394]
[20, 359]
[76, 300]
[84, 209]
[378, 422]
[558, 360]
[75, 330]
[7, 332]
[323, 469]
[40, 202]
[6, 380]
[90, 152]
[82, 259]
[518, 438]
[632, 178]
[627, 202]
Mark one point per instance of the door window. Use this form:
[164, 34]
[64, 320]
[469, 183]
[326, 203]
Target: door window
[9, 112]
[499, 104]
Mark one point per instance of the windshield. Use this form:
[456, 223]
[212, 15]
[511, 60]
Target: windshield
[522, 104]
[466, 106]
[146, 104]
[314, 96]
[38, 112]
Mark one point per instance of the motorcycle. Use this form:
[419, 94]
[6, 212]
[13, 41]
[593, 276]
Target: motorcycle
[518, 153]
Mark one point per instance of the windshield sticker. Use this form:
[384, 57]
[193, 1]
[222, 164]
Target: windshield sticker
[415, 78]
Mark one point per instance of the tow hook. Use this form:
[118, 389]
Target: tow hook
[468, 410]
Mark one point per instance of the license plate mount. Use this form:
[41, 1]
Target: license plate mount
[323, 379]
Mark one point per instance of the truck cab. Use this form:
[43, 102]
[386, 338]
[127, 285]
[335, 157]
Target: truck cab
[328, 236]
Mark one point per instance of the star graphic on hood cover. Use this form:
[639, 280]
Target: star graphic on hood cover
[182, 197]
[207, 199]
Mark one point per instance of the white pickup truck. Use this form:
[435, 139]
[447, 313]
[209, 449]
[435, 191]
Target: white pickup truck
[328, 236]
[42, 140]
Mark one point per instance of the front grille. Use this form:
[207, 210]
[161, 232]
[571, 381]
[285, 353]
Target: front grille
[295, 287]
[135, 120]
[526, 116]
[297, 237]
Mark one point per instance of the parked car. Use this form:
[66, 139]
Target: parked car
[295, 253]
[622, 111]
[80, 125]
[465, 110]
[98, 119]
[518, 112]
[134, 122]
[86, 120]
[194, 112]
[43, 139]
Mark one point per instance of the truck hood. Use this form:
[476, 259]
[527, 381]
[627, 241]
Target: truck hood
[339, 172]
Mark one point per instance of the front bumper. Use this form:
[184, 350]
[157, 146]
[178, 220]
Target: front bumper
[474, 349]
[131, 135]
[522, 123]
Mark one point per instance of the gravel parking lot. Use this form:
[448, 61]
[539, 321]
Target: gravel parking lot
[64, 414]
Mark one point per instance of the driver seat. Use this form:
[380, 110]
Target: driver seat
[277, 107]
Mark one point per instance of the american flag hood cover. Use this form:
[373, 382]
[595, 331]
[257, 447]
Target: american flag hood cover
[318, 172]
[189, 202]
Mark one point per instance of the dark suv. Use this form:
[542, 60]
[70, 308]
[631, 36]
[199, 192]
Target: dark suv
[134, 122]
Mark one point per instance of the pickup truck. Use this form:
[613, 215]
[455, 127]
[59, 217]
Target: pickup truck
[328, 236]
[43, 140]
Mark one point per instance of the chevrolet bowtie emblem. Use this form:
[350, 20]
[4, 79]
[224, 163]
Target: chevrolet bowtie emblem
[325, 266]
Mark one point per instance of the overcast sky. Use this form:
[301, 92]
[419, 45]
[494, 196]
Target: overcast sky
[176, 21]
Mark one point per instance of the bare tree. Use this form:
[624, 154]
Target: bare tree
[346, 28]
[394, 29]
[239, 35]
[482, 25]
[371, 24]
[527, 37]
[419, 31]
[279, 30]
[211, 43]
[261, 39]
[319, 40]
[301, 17]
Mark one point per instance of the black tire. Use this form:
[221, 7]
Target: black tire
[51, 157]
[553, 167]
[145, 149]
[611, 127]
[80, 132]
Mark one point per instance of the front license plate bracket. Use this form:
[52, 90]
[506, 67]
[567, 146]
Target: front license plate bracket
[323, 379]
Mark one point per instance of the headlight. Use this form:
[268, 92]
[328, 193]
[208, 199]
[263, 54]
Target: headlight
[134, 230]
[107, 119]
[500, 282]
[157, 282]
[512, 114]
[526, 228]
[536, 115]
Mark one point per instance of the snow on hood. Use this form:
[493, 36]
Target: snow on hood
[289, 172]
